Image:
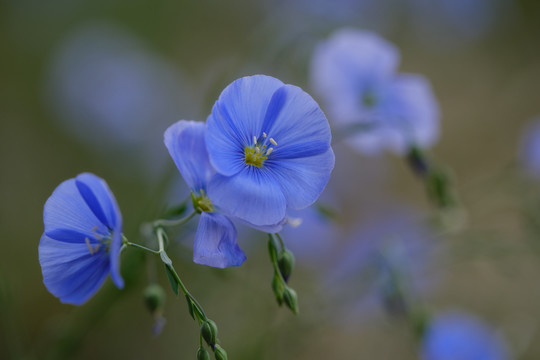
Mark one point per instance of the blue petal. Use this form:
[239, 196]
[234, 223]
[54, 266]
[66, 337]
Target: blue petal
[185, 141]
[114, 258]
[99, 199]
[251, 195]
[297, 124]
[70, 271]
[351, 60]
[66, 209]
[215, 242]
[302, 180]
[236, 117]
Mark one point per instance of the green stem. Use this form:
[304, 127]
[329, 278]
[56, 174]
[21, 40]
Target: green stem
[274, 260]
[167, 223]
[161, 241]
[127, 243]
[280, 241]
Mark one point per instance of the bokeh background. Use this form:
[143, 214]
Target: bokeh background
[92, 85]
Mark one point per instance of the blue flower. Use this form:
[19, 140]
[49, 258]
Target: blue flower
[81, 242]
[215, 239]
[529, 149]
[354, 72]
[270, 145]
[457, 335]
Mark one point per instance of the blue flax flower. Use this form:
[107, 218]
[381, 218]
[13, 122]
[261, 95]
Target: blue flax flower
[215, 239]
[354, 73]
[81, 242]
[270, 145]
[457, 335]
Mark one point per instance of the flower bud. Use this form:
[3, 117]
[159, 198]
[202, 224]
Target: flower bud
[202, 354]
[209, 332]
[286, 263]
[278, 288]
[154, 297]
[220, 353]
[291, 299]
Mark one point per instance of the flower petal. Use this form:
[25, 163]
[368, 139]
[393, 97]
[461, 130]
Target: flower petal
[99, 198]
[215, 242]
[302, 180]
[70, 271]
[236, 117]
[251, 195]
[296, 123]
[349, 61]
[186, 143]
[67, 209]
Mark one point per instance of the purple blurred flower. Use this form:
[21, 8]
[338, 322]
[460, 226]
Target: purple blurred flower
[456, 335]
[81, 242]
[529, 148]
[394, 253]
[354, 72]
[104, 84]
[270, 145]
[215, 240]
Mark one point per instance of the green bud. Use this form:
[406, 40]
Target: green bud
[209, 332]
[202, 354]
[291, 299]
[278, 288]
[220, 353]
[286, 263]
[154, 297]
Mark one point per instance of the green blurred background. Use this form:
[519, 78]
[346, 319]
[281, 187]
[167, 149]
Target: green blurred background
[483, 61]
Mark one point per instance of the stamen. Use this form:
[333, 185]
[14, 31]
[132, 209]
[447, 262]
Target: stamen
[273, 142]
[94, 229]
[269, 151]
[264, 134]
[87, 240]
[257, 149]
[96, 249]
[254, 140]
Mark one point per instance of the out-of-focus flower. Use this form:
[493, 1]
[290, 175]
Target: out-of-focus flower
[529, 148]
[446, 23]
[384, 260]
[270, 145]
[215, 239]
[104, 84]
[376, 108]
[457, 335]
[81, 242]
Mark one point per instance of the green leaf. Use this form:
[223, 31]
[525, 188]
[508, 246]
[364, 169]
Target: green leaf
[165, 258]
[172, 279]
[190, 307]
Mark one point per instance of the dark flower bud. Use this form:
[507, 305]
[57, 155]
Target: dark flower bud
[209, 332]
[291, 299]
[286, 263]
[202, 354]
[220, 353]
[154, 297]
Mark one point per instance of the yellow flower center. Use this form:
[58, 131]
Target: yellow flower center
[257, 153]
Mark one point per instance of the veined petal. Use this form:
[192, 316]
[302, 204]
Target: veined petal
[99, 198]
[186, 143]
[67, 209]
[296, 123]
[251, 195]
[70, 271]
[236, 118]
[215, 242]
[302, 180]
[114, 258]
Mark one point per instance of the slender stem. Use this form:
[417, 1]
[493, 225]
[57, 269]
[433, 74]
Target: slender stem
[275, 263]
[166, 222]
[141, 247]
[280, 241]
[161, 241]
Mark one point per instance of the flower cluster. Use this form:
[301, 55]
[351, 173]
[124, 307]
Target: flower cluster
[264, 149]
[354, 73]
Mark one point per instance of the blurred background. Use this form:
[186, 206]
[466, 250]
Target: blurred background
[92, 85]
